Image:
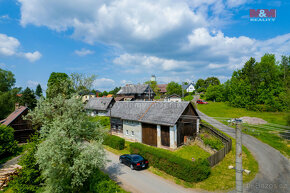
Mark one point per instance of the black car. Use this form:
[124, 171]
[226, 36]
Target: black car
[134, 161]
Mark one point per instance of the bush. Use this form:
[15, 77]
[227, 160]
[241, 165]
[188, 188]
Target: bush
[114, 142]
[104, 121]
[29, 178]
[188, 98]
[212, 141]
[173, 165]
[8, 145]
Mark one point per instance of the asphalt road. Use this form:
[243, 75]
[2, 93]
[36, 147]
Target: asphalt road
[274, 168]
[140, 181]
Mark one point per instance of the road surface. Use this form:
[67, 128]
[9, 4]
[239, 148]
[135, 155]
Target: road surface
[274, 168]
[140, 181]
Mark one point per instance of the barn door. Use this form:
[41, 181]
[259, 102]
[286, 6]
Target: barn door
[149, 134]
[165, 136]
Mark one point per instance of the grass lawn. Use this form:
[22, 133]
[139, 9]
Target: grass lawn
[221, 109]
[191, 151]
[262, 132]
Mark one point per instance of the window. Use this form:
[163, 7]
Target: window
[132, 133]
[127, 132]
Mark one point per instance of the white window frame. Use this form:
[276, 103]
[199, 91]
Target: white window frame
[132, 133]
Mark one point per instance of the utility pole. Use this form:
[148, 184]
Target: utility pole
[239, 165]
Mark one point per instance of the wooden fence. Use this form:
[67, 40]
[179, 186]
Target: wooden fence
[218, 156]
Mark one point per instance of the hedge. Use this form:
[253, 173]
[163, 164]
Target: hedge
[8, 145]
[114, 142]
[173, 165]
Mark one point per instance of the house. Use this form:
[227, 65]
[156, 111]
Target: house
[174, 98]
[156, 123]
[22, 128]
[99, 105]
[189, 88]
[132, 92]
[162, 88]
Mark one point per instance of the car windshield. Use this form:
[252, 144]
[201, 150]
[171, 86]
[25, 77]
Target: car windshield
[137, 158]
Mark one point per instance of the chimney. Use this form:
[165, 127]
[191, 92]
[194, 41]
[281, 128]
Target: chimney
[16, 106]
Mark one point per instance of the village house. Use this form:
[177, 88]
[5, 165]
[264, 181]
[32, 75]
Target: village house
[189, 88]
[22, 128]
[132, 92]
[162, 88]
[99, 105]
[156, 123]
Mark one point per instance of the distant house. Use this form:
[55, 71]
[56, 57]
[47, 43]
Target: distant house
[162, 88]
[189, 88]
[174, 98]
[155, 123]
[99, 105]
[132, 92]
[22, 128]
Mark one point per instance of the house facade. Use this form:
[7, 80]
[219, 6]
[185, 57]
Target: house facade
[189, 88]
[174, 98]
[158, 123]
[140, 92]
[99, 105]
[22, 128]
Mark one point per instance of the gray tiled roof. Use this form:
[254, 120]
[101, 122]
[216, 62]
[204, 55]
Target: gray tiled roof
[99, 103]
[133, 89]
[155, 112]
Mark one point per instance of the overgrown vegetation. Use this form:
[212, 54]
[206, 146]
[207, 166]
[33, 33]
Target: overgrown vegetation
[212, 141]
[173, 165]
[102, 120]
[8, 145]
[114, 142]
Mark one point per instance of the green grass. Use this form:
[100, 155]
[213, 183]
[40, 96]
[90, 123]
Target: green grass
[221, 109]
[191, 151]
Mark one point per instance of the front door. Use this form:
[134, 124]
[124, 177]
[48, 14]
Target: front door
[149, 134]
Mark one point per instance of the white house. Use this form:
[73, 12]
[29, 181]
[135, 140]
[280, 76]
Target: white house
[189, 88]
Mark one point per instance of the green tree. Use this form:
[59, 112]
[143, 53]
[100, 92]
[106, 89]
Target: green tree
[8, 145]
[211, 81]
[82, 83]
[154, 87]
[115, 90]
[215, 93]
[38, 91]
[72, 144]
[7, 80]
[105, 93]
[28, 98]
[174, 88]
[58, 83]
[200, 84]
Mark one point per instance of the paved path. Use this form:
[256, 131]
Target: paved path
[274, 168]
[140, 181]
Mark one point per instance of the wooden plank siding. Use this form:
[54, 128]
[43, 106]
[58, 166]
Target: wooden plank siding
[149, 134]
[165, 136]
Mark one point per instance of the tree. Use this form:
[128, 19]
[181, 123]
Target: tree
[7, 93]
[28, 98]
[174, 88]
[82, 83]
[115, 91]
[200, 84]
[215, 93]
[211, 81]
[154, 87]
[8, 145]
[38, 91]
[58, 83]
[72, 144]
[105, 93]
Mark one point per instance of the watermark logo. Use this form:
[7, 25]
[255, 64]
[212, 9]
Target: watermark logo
[263, 14]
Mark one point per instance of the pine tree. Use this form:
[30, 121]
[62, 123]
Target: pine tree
[38, 91]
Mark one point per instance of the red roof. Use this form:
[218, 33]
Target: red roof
[162, 88]
[13, 116]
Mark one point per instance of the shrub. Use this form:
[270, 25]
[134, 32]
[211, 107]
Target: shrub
[8, 145]
[212, 141]
[104, 121]
[114, 142]
[188, 98]
[173, 165]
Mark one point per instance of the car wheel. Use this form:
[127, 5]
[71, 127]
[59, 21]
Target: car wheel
[132, 167]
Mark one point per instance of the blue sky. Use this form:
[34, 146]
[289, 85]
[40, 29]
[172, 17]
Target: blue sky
[126, 41]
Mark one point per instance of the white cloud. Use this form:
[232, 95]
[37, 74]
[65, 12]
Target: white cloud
[83, 52]
[103, 84]
[32, 56]
[236, 3]
[32, 84]
[9, 46]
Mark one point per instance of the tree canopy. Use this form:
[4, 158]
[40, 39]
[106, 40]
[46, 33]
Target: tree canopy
[38, 91]
[154, 87]
[28, 98]
[174, 88]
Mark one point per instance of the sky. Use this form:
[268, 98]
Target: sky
[126, 41]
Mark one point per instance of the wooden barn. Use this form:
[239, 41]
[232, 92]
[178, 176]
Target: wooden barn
[22, 128]
[155, 123]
